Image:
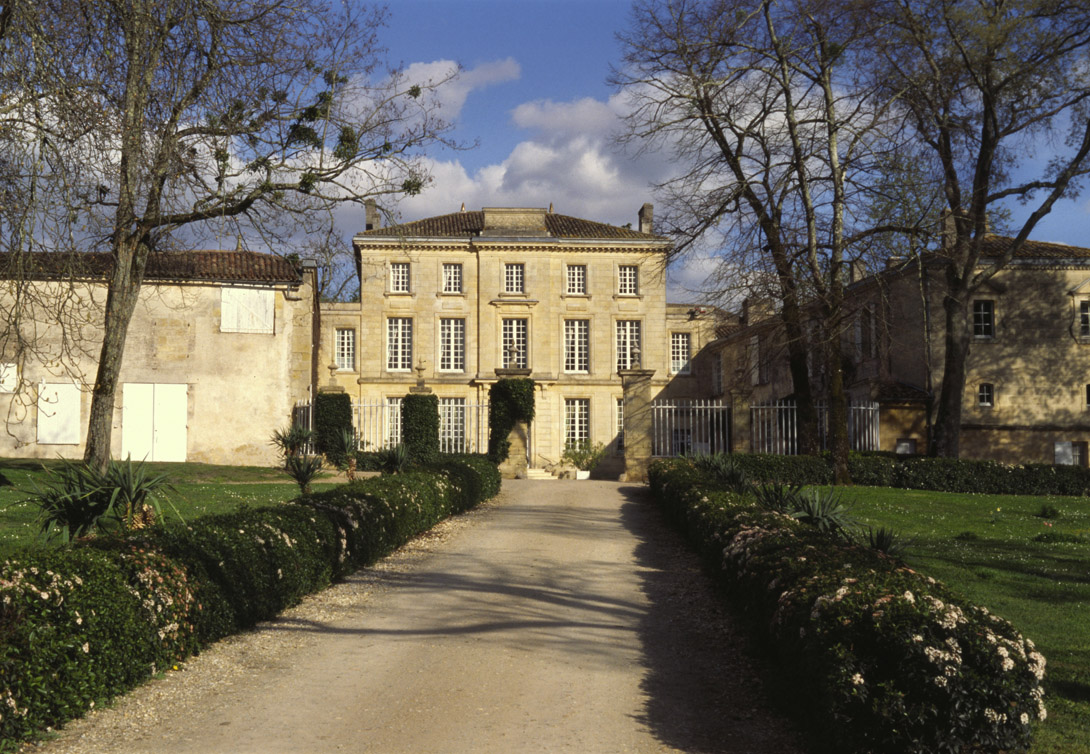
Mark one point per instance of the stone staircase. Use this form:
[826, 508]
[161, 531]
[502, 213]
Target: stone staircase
[538, 474]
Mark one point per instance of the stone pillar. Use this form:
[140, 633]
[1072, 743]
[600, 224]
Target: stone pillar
[637, 423]
[515, 465]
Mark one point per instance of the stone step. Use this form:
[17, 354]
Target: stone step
[538, 474]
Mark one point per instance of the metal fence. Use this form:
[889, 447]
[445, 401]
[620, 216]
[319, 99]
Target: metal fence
[774, 428]
[686, 427]
[463, 427]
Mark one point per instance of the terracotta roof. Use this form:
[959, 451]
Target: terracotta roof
[994, 246]
[229, 266]
[470, 224]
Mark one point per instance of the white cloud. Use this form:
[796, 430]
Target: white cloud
[451, 95]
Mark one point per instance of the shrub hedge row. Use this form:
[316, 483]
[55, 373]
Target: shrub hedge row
[892, 660]
[420, 427]
[80, 625]
[921, 473]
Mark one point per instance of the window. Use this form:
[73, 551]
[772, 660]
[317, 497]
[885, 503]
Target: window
[1084, 319]
[399, 344]
[983, 319]
[628, 344]
[620, 424]
[717, 375]
[452, 425]
[393, 422]
[1070, 453]
[576, 422]
[628, 280]
[577, 280]
[680, 348]
[399, 277]
[452, 345]
[866, 339]
[9, 378]
[577, 345]
[906, 446]
[246, 310]
[514, 344]
[514, 278]
[1088, 396]
[986, 395]
[452, 278]
[345, 349]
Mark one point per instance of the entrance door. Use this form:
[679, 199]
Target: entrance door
[153, 421]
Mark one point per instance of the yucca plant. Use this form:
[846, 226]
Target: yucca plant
[303, 469]
[293, 441]
[887, 540]
[81, 500]
[393, 460]
[726, 471]
[824, 510]
[782, 498]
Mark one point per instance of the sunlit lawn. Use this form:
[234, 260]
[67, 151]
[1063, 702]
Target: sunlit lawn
[199, 489]
[1042, 588]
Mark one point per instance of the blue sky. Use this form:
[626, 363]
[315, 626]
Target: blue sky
[533, 93]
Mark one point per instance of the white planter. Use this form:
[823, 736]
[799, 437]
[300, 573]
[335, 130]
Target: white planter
[582, 474]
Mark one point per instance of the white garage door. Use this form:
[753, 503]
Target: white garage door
[58, 414]
[153, 421]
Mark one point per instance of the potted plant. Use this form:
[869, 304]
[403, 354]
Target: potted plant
[584, 457]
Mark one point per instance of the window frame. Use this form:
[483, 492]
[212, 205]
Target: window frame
[339, 350]
[506, 338]
[452, 344]
[985, 395]
[514, 278]
[577, 346]
[578, 278]
[983, 319]
[676, 366]
[404, 355]
[624, 271]
[626, 327]
[452, 272]
[576, 422]
[452, 425]
[400, 283]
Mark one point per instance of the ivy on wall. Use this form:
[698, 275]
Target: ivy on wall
[509, 401]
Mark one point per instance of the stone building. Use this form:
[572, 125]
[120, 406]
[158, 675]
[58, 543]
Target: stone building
[460, 300]
[219, 349]
[1027, 392]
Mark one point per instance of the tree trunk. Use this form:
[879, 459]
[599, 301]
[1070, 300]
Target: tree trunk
[805, 411]
[839, 444]
[121, 298]
[947, 432]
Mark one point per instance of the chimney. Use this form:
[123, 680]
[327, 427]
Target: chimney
[756, 309]
[373, 219]
[645, 215]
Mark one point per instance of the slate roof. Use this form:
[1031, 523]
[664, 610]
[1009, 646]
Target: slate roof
[226, 266]
[470, 224]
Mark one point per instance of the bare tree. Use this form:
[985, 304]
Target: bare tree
[780, 147]
[983, 86]
[185, 113]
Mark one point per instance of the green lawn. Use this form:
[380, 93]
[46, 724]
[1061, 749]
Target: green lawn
[200, 489]
[983, 546]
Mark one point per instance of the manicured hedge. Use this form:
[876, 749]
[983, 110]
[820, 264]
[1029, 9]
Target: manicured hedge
[420, 427]
[81, 625]
[892, 660]
[332, 418]
[921, 473]
[510, 400]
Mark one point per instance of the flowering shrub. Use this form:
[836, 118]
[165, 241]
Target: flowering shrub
[79, 625]
[894, 660]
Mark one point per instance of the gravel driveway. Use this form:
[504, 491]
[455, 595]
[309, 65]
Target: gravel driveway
[561, 617]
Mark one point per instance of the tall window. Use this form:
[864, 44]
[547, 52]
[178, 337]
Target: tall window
[452, 425]
[393, 422]
[983, 318]
[452, 345]
[866, 340]
[514, 344]
[628, 344]
[628, 280]
[620, 424]
[1084, 319]
[986, 394]
[576, 422]
[399, 344]
[514, 278]
[452, 278]
[577, 279]
[577, 345]
[717, 375]
[345, 349]
[680, 352]
[399, 277]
